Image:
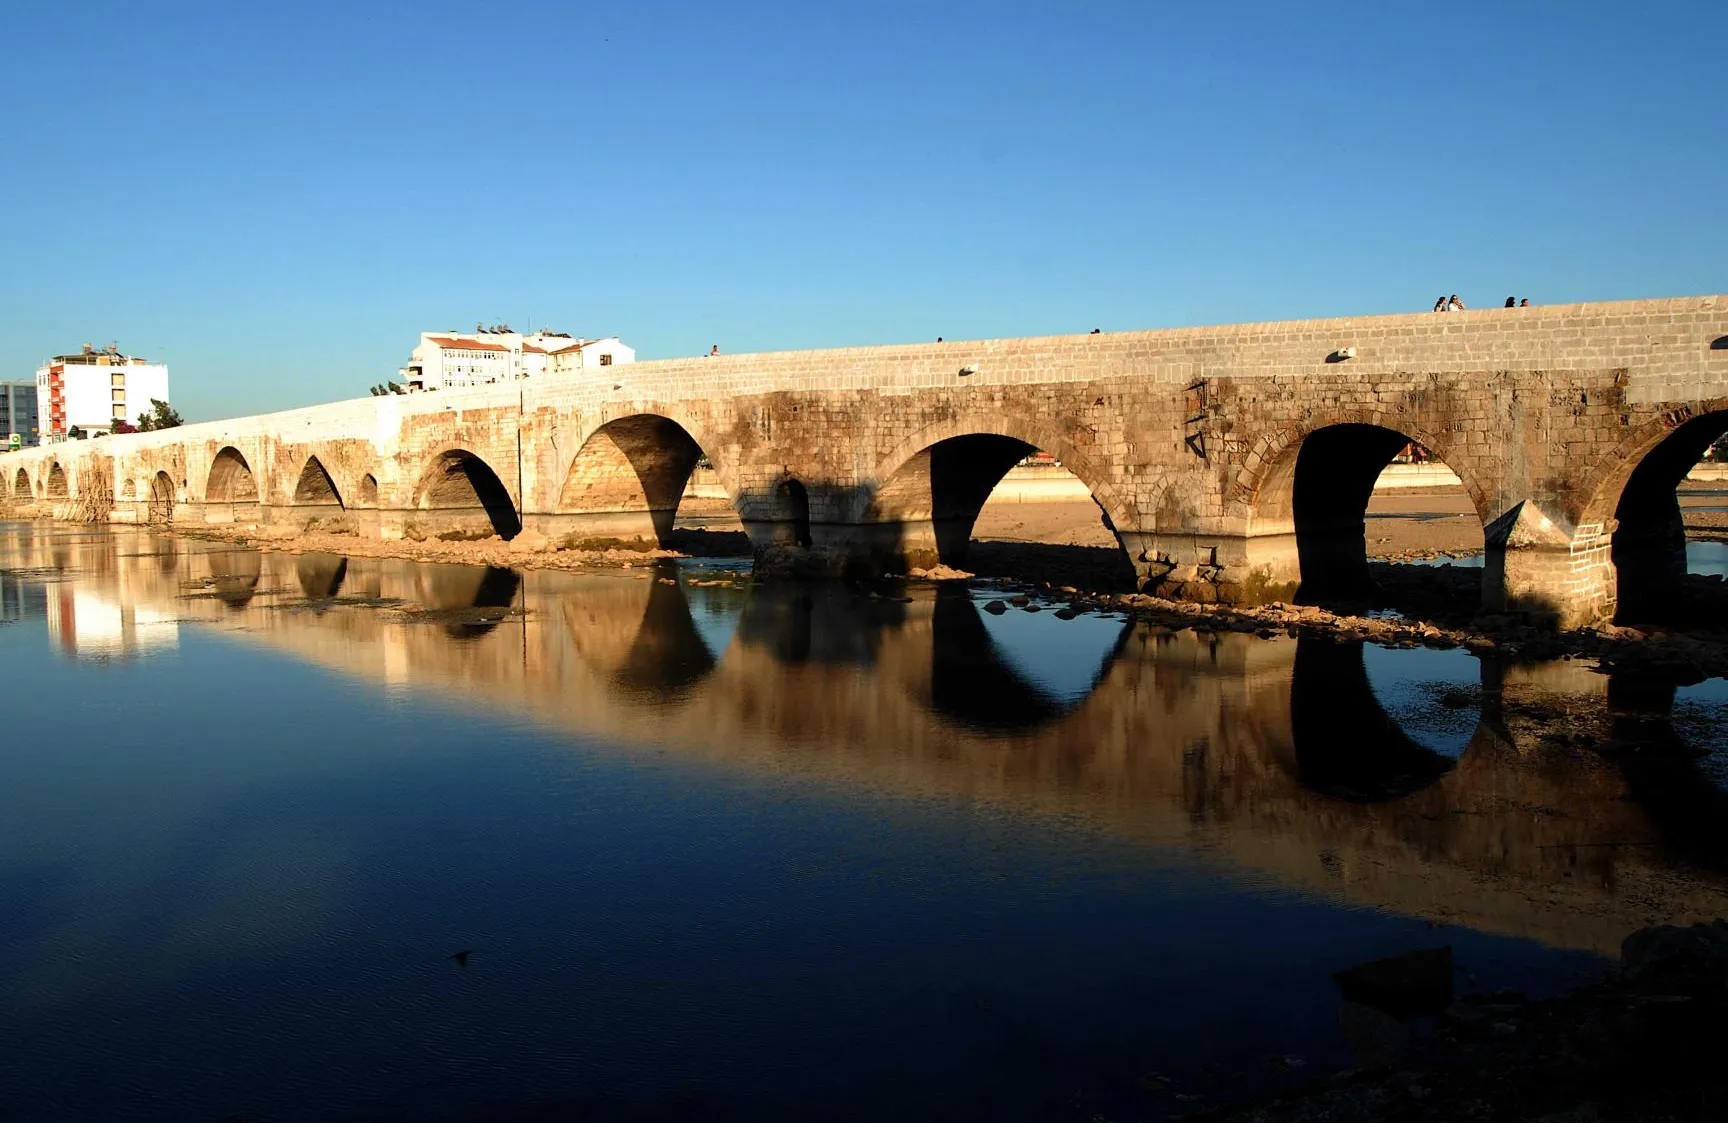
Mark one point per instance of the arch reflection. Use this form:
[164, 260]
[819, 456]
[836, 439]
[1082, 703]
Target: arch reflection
[471, 600]
[1343, 742]
[978, 684]
[321, 575]
[1273, 756]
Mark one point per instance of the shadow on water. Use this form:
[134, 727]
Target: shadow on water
[1345, 743]
[469, 601]
[233, 576]
[975, 683]
[321, 575]
[669, 654]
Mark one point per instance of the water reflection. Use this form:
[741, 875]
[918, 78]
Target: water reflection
[1216, 797]
[1279, 751]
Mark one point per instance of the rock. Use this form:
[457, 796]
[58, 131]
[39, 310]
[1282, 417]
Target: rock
[1066, 614]
[1669, 952]
[939, 573]
[995, 608]
[529, 542]
[1404, 986]
[1020, 601]
[1377, 1039]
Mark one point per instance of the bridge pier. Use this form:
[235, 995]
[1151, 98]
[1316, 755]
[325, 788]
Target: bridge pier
[1217, 568]
[1539, 567]
[639, 525]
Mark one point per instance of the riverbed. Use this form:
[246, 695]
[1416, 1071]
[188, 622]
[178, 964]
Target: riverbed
[320, 837]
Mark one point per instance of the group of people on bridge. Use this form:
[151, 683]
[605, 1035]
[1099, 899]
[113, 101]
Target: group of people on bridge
[1453, 304]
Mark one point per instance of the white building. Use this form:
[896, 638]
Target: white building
[93, 389]
[485, 355]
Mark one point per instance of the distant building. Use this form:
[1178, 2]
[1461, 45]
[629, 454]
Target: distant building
[93, 389]
[19, 419]
[486, 355]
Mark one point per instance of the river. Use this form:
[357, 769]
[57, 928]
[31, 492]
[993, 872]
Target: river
[723, 851]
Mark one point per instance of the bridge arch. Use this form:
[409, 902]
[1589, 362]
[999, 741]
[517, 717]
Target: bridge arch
[920, 503]
[460, 495]
[1305, 497]
[162, 497]
[21, 485]
[230, 489]
[315, 487]
[57, 486]
[628, 477]
[1634, 489]
[367, 493]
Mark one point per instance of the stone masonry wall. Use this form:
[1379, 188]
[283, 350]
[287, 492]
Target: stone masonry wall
[1188, 438]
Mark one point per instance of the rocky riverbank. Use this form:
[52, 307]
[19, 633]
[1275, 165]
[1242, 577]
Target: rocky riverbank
[1640, 1045]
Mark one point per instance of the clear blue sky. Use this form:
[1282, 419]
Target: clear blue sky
[278, 197]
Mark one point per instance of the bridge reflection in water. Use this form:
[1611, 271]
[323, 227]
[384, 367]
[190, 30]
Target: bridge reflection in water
[1271, 756]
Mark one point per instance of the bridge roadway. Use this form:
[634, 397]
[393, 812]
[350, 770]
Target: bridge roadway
[1234, 463]
[1259, 757]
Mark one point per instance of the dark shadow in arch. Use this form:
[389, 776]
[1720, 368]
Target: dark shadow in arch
[368, 491]
[231, 479]
[21, 485]
[460, 481]
[320, 575]
[161, 510]
[1649, 545]
[1345, 744]
[794, 501]
[636, 464]
[932, 501]
[669, 654]
[974, 685]
[1332, 481]
[469, 600]
[57, 485]
[315, 488]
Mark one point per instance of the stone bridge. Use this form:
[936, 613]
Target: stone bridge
[1233, 463]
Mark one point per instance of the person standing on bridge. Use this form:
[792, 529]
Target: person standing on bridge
[1440, 304]
[713, 351]
[1454, 304]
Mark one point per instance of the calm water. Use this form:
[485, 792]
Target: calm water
[772, 853]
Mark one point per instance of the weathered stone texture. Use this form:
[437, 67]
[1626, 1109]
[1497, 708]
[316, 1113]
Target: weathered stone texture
[1195, 442]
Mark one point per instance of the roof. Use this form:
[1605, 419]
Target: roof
[466, 344]
[531, 349]
[572, 347]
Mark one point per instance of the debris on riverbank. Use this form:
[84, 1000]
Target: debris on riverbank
[1637, 1046]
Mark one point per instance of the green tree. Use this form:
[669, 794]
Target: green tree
[159, 416]
[384, 389]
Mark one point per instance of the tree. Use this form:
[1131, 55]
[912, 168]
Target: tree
[160, 416]
[384, 389]
[123, 426]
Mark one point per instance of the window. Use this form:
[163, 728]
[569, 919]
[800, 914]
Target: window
[606, 360]
[120, 410]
